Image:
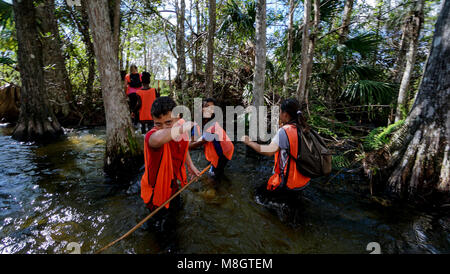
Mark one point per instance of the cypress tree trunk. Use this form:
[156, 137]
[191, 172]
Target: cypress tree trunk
[180, 48]
[209, 62]
[399, 65]
[37, 121]
[301, 87]
[413, 31]
[260, 54]
[310, 32]
[115, 18]
[343, 33]
[420, 154]
[123, 155]
[289, 46]
[56, 79]
[198, 50]
[311, 47]
[90, 51]
[82, 22]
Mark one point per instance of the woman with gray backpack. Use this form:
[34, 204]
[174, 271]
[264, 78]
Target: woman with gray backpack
[300, 153]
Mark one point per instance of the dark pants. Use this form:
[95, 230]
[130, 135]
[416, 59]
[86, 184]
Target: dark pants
[164, 224]
[287, 204]
[218, 171]
[132, 101]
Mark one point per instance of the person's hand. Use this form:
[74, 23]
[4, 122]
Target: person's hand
[186, 127]
[179, 131]
[132, 115]
[193, 171]
[245, 139]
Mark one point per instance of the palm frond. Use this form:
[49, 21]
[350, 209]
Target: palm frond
[240, 20]
[369, 92]
[329, 9]
[364, 43]
[349, 72]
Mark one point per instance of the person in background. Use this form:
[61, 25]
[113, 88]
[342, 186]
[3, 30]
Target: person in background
[218, 147]
[145, 98]
[123, 73]
[133, 82]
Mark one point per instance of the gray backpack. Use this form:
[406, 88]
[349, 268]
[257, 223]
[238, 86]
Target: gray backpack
[313, 157]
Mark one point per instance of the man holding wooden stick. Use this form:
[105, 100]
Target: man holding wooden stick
[166, 154]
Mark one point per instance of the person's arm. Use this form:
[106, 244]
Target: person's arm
[190, 165]
[138, 103]
[267, 150]
[125, 85]
[200, 142]
[163, 136]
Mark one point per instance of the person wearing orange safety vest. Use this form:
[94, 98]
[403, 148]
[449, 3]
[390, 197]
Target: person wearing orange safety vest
[218, 147]
[133, 82]
[145, 98]
[166, 153]
[286, 177]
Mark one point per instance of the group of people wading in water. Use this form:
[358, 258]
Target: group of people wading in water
[167, 145]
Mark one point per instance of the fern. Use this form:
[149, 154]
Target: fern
[340, 161]
[380, 136]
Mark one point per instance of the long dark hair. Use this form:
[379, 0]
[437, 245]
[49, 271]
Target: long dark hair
[292, 107]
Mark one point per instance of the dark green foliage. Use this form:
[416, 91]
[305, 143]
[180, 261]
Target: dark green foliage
[341, 161]
[381, 136]
[6, 13]
[6, 61]
[238, 20]
[329, 9]
[369, 92]
[364, 43]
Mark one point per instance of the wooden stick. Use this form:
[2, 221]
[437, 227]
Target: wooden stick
[153, 213]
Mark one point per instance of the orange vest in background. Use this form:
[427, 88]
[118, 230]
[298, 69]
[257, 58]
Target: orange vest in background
[148, 96]
[162, 166]
[295, 179]
[128, 81]
[225, 143]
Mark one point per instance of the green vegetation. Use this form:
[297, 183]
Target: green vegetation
[381, 136]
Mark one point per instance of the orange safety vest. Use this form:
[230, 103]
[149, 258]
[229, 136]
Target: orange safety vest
[148, 96]
[295, 179]
[225, 143]
[162, 166]
[128, 80]
[179, 150]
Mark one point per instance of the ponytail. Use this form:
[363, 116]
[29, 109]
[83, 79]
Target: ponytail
[292, 107]
[301, 121]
